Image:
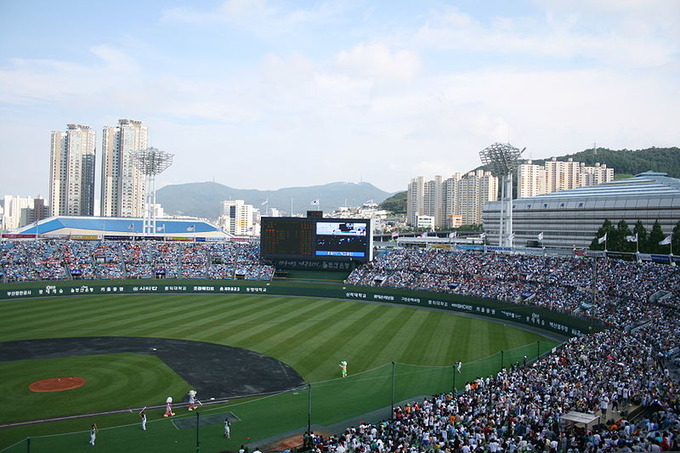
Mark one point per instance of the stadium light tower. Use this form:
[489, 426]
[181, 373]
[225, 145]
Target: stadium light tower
[151, 162]
[503, 158]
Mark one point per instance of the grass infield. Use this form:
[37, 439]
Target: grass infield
[119, 379]
[311, 335]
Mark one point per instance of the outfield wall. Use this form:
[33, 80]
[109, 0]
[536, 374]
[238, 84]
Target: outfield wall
[531, 316]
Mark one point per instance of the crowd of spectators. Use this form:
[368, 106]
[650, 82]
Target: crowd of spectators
[591, 287]
[94, 260]
[629, 368]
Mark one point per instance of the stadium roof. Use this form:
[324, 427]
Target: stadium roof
[125, 226]
[647, 184]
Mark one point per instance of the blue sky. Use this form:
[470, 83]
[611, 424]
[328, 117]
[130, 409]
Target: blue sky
[265, 94]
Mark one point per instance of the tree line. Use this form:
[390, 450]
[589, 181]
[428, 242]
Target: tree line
[623, 238]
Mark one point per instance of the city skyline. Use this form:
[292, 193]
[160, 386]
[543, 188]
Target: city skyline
[271, 94]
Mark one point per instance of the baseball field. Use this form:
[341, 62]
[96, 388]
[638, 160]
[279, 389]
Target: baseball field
[134, 351]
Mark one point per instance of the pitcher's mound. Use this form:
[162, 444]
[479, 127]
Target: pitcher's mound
[56, 384]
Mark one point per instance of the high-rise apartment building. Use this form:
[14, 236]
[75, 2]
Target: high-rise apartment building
[122, 184]
[238, 218]
[415, 200]
[433, 202]
[475, 189]
[599, 174]
[531, 180]
[453, 201]
[72, 171]
[555, 176]
[11, 217]
[561, 175]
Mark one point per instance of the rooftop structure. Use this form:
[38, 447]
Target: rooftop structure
[130, 227]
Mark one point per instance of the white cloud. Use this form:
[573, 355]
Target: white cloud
[377, 60]
[570, 33]
[27, 81]
[383, 100]
[262, 18]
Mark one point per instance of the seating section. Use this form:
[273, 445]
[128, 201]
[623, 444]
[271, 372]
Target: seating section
[94, 260]
[629, 369]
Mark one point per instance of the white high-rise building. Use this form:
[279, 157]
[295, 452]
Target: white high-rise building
[454, 201]
[476, 188]
[72, 171]
[238, 218]
[123, 186]
[591, 176]
[531, 180]
[561, 175]
[433, 202]
[415, 200]
[555, 176]
[451, 201]
[14, 206]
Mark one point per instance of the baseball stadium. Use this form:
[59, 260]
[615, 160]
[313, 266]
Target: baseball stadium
[116, 344]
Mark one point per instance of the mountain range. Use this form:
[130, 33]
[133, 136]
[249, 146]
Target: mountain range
[204, 199]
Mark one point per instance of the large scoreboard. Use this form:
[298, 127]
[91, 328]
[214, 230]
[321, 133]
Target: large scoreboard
[316, 242]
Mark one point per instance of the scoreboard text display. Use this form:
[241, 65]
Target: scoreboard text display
[310, 238]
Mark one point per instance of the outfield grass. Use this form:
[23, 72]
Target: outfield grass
[309, 334]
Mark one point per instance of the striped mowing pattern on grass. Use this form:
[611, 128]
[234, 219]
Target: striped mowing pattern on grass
[312, 335]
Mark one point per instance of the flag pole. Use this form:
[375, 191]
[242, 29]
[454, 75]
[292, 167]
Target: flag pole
[671, 257]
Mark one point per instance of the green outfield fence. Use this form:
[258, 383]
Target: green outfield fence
[324, 407]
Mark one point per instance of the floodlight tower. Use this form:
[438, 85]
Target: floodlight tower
[502, 158]
[151, 162]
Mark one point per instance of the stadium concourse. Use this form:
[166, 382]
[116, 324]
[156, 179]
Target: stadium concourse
[625, 377]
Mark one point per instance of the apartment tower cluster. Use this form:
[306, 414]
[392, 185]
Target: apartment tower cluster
[555, 176]
[451, 202]
[72, 170]
[459, 200]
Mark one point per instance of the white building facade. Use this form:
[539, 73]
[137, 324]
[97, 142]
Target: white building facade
[12, 212]
[123, 186]
[554, 176]
[452, 202]
[238, 218]
[72, 171]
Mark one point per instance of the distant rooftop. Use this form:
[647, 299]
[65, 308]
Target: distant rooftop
[645, 184]
[119, 226]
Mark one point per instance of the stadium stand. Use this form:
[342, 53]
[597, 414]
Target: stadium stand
[105, 260]
[625, 376]
[630, 367]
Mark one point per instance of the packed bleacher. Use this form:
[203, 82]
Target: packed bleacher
[94, 260]
[631, 365]
[628, 369]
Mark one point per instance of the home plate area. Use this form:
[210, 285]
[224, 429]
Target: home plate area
[204, 420]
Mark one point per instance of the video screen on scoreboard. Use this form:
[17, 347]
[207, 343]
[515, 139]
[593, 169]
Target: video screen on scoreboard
[316, 239]
[341, 239]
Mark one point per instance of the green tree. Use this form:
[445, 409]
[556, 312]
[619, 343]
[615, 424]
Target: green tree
[643, 237]
[618, 242]
[675, 240]
[396, 203]
[656, 236]
[606, 228]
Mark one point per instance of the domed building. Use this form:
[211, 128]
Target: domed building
[571, 218]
